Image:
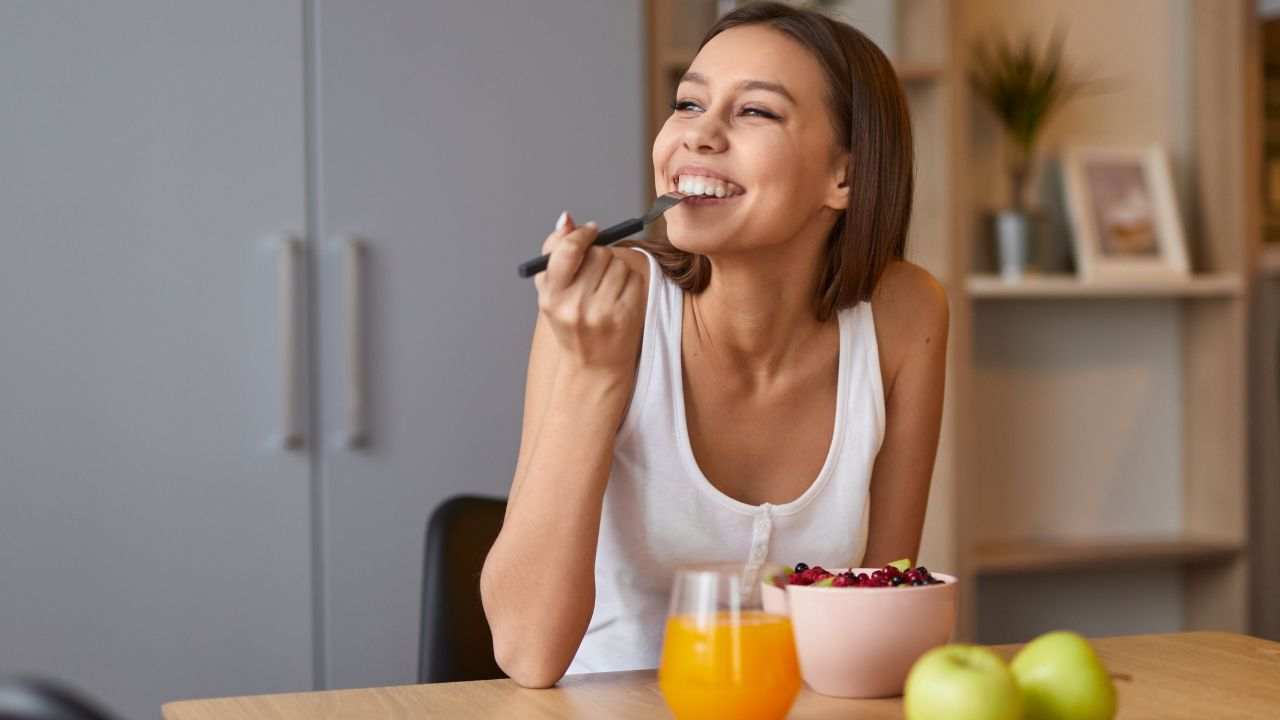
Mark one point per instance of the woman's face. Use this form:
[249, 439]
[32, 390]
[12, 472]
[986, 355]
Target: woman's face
[752, 122]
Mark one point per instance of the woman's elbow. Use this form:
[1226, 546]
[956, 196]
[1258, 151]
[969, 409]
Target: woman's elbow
[528, 669]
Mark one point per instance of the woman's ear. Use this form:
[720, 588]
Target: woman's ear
[837, 190]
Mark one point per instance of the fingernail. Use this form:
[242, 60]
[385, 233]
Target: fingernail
[560, 221]
[592, 225]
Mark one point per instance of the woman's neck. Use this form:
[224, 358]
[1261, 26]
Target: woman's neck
[757, 312]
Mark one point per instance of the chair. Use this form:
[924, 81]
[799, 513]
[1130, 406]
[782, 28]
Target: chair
[456, 643]
[39, 699]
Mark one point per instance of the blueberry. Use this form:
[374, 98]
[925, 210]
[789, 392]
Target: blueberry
[801, 567]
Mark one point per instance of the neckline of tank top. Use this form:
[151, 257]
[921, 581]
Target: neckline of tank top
[684, 446]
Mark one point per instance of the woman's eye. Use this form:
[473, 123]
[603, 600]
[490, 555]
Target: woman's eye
[687, 106]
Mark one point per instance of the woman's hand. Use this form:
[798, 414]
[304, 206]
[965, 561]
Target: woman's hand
[593, 301]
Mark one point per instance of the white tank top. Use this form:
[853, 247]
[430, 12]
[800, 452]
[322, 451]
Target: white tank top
[661, 512]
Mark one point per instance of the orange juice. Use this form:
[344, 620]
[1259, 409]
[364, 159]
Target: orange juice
[744, 670]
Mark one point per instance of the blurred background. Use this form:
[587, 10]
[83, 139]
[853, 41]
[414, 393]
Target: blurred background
[260, 315]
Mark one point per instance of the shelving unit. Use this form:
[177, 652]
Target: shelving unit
[1108, 432]
[1046, 556]
[1269, 261]
[1263, 141]
[1032, 287]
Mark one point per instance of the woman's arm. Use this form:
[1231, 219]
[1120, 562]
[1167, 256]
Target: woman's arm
[538, 582]
[911, 329]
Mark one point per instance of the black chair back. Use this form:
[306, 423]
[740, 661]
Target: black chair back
[456, 643]
[41, 699]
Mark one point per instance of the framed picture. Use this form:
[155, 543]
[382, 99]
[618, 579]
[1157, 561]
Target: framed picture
[1124, 214]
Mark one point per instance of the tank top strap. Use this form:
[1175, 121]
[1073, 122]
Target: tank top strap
[664, 297]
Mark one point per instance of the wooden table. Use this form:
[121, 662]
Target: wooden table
[1198, 676]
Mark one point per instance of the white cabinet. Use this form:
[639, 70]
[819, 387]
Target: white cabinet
[153, 543]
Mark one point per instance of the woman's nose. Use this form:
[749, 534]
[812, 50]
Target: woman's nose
[704, 135]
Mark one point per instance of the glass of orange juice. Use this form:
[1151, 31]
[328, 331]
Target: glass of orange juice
[723, 656]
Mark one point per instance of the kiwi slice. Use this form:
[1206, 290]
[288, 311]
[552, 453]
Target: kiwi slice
[902, 565]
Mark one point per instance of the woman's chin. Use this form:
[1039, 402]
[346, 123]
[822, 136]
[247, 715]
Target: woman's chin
[691, 241]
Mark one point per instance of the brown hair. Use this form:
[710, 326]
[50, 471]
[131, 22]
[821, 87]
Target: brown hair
[871, 120]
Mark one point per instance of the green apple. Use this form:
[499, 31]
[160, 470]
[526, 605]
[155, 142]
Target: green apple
[961, 682]
[1062, 678]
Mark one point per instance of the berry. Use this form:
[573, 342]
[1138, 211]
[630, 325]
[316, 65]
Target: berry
[896, 580]
[844, 580]
[798, 579]
[892, 571]
[801, 567]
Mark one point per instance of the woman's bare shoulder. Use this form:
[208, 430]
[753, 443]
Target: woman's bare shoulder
[911, 314]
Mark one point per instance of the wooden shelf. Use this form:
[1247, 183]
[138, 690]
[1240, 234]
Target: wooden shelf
[1269, 261]
[1062, 286]
[913, 74]
[1051, 556]
[676, 58]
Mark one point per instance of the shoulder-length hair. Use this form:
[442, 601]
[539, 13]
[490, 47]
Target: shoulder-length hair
[872, 122]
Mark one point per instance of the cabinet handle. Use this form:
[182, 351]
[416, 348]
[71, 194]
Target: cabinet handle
[355, 251]
[288, 282]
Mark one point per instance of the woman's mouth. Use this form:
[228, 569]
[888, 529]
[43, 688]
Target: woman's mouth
[706, 190]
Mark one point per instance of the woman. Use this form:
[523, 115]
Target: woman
[766, 384]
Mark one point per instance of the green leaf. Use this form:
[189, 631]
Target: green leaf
[1021, 88]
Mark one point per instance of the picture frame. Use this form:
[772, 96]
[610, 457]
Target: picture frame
[1124, 213]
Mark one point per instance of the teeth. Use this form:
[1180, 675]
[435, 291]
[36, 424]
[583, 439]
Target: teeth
[701, 185]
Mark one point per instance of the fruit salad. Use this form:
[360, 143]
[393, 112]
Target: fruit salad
[899, 573]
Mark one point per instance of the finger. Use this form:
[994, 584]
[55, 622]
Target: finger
[564, 226]
[633, 290]
[593, 266]
[613, 278]
[568, 256]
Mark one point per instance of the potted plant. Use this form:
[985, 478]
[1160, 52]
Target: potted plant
[1023, 90]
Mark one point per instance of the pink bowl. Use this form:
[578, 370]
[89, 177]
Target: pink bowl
[861, 642]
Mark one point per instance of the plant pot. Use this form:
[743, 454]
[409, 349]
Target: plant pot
[1013, 243]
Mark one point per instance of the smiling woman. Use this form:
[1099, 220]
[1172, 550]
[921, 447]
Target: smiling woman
[727, 394]
[804, 100]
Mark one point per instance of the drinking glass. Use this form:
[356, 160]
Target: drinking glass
[722, 655]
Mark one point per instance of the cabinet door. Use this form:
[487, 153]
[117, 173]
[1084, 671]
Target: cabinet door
[451, 135]
[152, 545]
